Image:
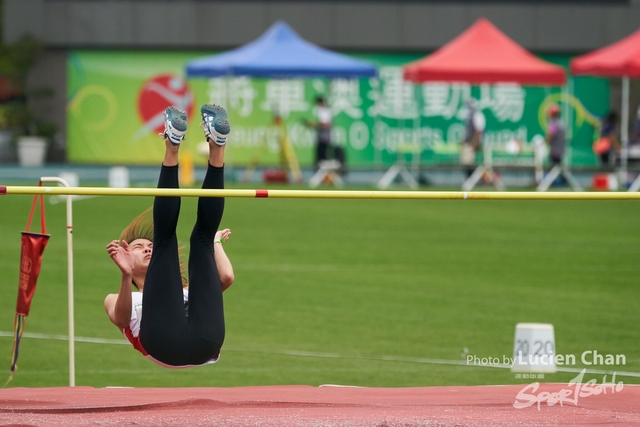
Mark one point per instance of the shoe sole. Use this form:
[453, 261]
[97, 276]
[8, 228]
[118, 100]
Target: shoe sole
[177, 118]
[216, 111]
[219, 122]
[222, 127]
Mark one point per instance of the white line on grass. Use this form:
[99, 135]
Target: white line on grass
[296, 353]
[65, 338]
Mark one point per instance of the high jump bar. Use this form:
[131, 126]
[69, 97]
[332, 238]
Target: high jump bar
[320, 194]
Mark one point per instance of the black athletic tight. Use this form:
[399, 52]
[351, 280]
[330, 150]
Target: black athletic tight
[166, 333]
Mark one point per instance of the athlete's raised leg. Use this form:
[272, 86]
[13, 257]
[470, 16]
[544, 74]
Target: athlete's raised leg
[206, 312]
[164, 324]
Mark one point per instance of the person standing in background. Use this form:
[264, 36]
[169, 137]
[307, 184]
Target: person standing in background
[608, 146]
[325, 148]
[323, 128]
[555, 135]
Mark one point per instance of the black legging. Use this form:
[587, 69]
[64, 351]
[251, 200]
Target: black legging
[166, 333]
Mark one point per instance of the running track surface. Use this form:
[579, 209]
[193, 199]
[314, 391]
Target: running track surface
[315, 406]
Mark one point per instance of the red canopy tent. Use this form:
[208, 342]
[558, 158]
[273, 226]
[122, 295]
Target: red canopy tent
[484, 54]
[620, 59]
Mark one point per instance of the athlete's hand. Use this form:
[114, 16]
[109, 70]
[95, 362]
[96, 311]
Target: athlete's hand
[121, 254]
[223, 234]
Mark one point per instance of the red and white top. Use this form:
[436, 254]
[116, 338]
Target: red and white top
[132, 332]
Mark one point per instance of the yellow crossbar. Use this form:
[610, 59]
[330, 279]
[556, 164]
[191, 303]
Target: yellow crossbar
[321, 194]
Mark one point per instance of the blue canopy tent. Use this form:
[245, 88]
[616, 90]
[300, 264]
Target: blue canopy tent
[280, 52]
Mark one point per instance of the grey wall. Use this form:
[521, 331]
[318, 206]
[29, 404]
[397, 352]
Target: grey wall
[350, 25]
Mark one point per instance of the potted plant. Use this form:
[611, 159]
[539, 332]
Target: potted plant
[22, 112]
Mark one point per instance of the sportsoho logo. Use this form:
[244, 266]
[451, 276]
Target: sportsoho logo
[575, 390]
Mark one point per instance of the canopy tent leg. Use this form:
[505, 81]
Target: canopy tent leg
[556, 171]
[548, 180]
[624, 130]
[328, 172]
[377, 152]
[575, 185]
[416, 168]
[496, 179]
[477, 175]
[485, 169]
[635, 186]
[395, 170]
[474, 178]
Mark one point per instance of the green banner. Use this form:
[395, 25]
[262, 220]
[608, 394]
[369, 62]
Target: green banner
[116, 100]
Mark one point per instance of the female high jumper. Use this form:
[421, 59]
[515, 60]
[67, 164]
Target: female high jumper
[171, 325]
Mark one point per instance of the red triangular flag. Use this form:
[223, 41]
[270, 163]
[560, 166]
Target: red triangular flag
[33, 245]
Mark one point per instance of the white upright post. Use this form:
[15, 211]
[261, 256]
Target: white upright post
[377, 154]
[72, 362]
[624, 130]
[416, 154]
[568, 97]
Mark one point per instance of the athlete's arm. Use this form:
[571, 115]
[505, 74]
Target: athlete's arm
[118, 306]
[225, 269]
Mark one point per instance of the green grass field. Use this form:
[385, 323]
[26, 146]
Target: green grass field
[349, 291]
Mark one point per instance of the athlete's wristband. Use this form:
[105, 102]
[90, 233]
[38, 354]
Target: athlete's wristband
[221, 241]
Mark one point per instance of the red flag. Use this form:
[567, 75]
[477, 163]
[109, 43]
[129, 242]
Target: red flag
[33, 245]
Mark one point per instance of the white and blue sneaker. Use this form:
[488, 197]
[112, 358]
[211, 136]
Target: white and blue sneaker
[175, 125]
[214, 123]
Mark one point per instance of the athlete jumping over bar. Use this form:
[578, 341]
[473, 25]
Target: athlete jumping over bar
[171, 324]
